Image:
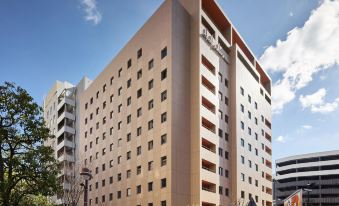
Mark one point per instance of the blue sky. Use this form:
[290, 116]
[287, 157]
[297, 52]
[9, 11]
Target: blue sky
[42, 41]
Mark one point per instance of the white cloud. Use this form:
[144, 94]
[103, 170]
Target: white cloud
[316, 103]
[291, 14]
[280, 139]
[305, 52]
[92, 13]
[306, 126]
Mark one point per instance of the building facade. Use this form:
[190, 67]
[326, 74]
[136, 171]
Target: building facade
[181, 116]
[296, 172]
[60, 114]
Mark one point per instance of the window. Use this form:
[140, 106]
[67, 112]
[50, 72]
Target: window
[111, 180]
[242, 125]
[163, 117]
[150, 165]
[249, 147]
[119, 177]
[139, 170]
[150, 124]
[220, 77]
[91, 101]
[150, 145]
[151, 64]
[249, 99]
[128, 192]
[249, 114]
[226, 101]
[163, 52]
[103, 151]
[128, 155]
[163, 182]
[139, 74]
[249, 163]
[242, 92]
[163, 74]
[139, 53]
[242, 159]
[249, 131]
[139, 112]
[164, 95]
[150, 186]
[255, 105]
[150, 104]
[119, 159]
[163, 139]
[110, 197]
[226, 82]
[104, 120]
[119, 91]
[128, 137]
[150, 84]
[111, 163]
[250, 180]
[103, 183]
[242, 177]
[129, 82]
[97, 94]
[129, 119]
[112, 78]
[139, 150]
[129, 63]
[119, 125]
[138, 189]
[104, 88]
[129, 101]
[111, 98]
[138, 131]
[139, 93]
[220, 190]
[119, 73]
[163, 160]
[86, 105]
[111, 131]
[119, 194]
[163, 203]
[242, 142]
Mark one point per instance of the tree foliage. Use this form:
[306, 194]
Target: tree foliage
[27, 167]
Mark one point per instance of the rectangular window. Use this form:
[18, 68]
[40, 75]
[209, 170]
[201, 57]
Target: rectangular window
[151, 64]
[150, 84]
[129, 82]
[129, 63]
[139, 93]
[163, 52]
[163, 117]
[163, 74]
[163, 139]
[150, 104]
[163, 95]
[163, 160]
[139, 74]
[139, 53]
[163, 183]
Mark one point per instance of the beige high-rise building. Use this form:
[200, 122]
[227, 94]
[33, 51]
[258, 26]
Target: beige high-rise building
[60, 114]
[181, 116]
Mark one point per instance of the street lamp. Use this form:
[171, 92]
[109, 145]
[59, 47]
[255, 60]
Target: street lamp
[308, 189]
[86, 173]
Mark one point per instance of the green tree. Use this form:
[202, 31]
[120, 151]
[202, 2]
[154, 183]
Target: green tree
[27, 167]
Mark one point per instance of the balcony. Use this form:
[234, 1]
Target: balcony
[209, 166]
[208, 65]
[268, 150]
[268, 164]
[65, 143]
[268, 177]
[207, 204]
[208, 145]
[208, 186]
[208, 105]
[208, 125]
[208, 85]
[268, 137]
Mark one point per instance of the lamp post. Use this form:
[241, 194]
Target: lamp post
[308, 189]
[86, 173]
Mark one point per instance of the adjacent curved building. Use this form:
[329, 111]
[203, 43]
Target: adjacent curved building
[321, 169]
